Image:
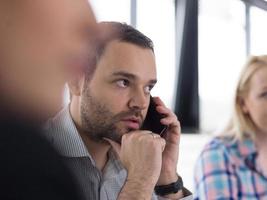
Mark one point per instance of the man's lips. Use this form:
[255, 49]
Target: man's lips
[132, 122]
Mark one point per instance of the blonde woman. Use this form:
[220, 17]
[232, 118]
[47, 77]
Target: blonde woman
[234, 165]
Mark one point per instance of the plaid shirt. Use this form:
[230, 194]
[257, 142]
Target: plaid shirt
[228, 169]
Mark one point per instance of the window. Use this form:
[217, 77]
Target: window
[156, 19]
[258, 18]
[222, 52]
[115, 10]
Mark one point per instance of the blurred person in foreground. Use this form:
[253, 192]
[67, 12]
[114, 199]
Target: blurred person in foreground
[234, 165]
[41, 44]
[109, 103]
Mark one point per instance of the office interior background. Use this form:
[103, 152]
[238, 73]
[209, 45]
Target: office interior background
[200, 48]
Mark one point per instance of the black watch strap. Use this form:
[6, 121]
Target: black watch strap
[174, 187]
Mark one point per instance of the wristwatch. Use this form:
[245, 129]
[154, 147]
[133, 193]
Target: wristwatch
[172, 188]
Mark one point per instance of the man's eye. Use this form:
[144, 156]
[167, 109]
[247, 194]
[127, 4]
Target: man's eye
[264, 95]
[148, 89]
[123, 83]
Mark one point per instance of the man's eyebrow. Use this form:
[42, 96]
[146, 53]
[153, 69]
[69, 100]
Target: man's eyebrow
[131, 76]
[124, 74]
[153, 82]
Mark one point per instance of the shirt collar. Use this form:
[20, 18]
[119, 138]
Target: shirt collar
[248, 153]
[246, 147]
[242, 151]
[64, 135]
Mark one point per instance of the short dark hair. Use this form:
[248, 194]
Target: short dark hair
[126, 33]
[120, 32]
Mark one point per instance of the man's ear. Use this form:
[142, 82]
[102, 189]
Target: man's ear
[76, 85]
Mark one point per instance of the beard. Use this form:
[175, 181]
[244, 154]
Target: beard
[98, 122]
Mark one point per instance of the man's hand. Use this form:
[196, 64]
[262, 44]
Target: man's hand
[171, 152]
[172, 137]
[141, 154]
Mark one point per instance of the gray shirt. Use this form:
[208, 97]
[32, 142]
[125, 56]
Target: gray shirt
[105, 185]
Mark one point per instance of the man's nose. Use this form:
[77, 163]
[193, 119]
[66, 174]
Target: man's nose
[139, 100]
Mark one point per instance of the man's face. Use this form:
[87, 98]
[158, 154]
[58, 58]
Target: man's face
[42, 42]
[116, 99]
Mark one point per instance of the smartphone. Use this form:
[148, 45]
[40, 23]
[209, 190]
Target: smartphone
[152, 120]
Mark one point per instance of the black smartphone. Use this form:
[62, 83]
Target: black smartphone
[152, 120]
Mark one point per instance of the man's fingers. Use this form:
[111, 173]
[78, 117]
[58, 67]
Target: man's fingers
[115, 146]
[158, 101]
[163, 144]
[159, 138]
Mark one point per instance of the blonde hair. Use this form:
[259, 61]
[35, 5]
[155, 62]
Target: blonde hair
[241, 125]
